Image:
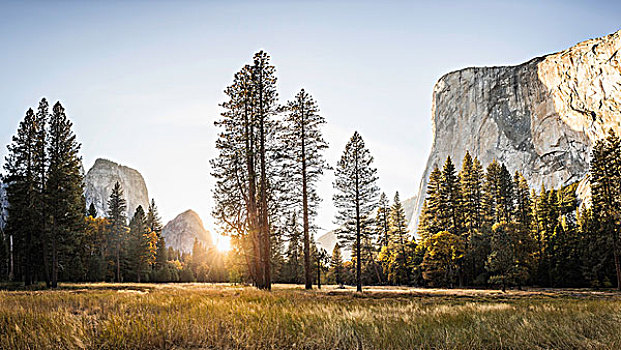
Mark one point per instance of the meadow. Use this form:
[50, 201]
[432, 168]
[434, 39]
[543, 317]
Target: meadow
[222, 316]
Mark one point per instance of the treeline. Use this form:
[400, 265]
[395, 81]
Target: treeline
[481, 228]
[48, 234]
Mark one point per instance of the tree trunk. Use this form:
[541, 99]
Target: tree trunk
[54, 264]
[358, 248]
[617, 262]
[265, 230]
[307, 259]
[318, 274]
[118, 262]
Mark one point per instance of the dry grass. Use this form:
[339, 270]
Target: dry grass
[204, 316]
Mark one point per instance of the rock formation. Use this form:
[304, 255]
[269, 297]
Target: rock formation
[180, 232]
[541, 117]
[100, 180]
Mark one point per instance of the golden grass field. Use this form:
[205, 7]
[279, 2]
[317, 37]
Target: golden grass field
[220, 316]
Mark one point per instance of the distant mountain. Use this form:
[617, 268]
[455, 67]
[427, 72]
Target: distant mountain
[100, 180]
[180, 232]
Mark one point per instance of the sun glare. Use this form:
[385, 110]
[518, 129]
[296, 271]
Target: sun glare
[223, 243]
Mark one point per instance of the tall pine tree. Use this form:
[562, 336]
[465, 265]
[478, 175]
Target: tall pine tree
[305, 144]
[356, 196]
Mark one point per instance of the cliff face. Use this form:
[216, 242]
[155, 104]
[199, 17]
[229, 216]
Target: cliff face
[180, 232]
[540, 118]
[100, 180]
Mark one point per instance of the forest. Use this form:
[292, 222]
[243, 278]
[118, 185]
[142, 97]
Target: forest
[479, 226]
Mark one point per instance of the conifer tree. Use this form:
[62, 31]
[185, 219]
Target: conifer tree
[382, 221]
[356, 196]
[64, 191]
[305, 144]
[471, 182]
[293, 265]
[508, 261]
[498, 193]
[153, 220]
[449, 201]
[523, 209]
[117, 218]
[337, 270]
[92, 212]
[249, 168]
[141, 242]
[428, 223]
[605, 180]
[23, 222]
[399, 271]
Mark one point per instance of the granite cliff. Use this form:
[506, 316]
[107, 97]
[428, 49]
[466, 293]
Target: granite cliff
[180, 232]
[541, 117]
[100, 180]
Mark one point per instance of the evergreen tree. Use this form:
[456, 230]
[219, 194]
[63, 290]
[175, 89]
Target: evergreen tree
[356, 196]
[141, 245]
[92, 212]
[117, 218]
[606, 192]
[251, 180]
[523, 209]
[382, 221]
[293, 264]
[471, 182]
[428, 224]
[337, 270]
[510, 253]
[498, 191]
[24, 224]
[64, 192]
[305, 144]
[449, 199]
[153, 220]
[399, 273]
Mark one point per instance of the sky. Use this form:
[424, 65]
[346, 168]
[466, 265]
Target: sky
[142, 80]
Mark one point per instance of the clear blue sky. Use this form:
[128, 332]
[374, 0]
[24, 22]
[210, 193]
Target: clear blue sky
[142, 79]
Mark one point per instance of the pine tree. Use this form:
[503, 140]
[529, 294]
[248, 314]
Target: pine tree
[118, 229]
[337, 270]
[605, 180]
[45, 240]
[450, 202]
[498, 193]
[248, 168]
[153, 220]
[356, 196]
[293, 265]
[523, 207]
[471, 181]
[428, 224]
[141, 245]
[471, 185]
[305, 144]
[64, 192]
[509, 258]
[22, 191]
[92, 212]
[382, 221]
[399, 271]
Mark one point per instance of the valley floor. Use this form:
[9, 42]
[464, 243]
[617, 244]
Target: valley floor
[222, 316]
